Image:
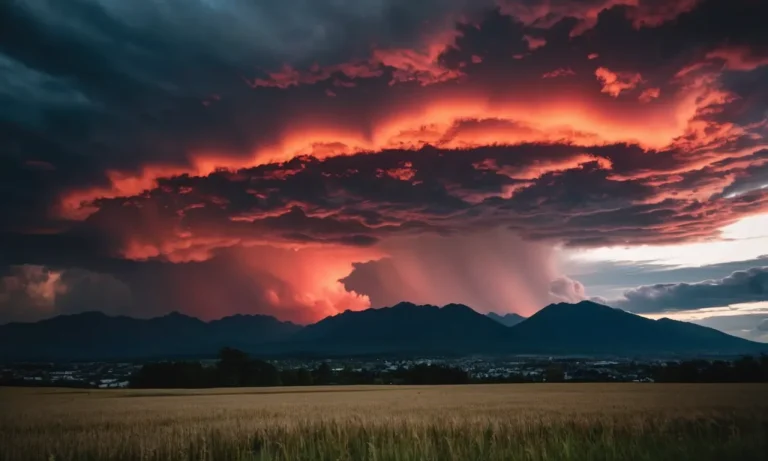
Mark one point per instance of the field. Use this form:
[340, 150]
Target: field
[494, 422]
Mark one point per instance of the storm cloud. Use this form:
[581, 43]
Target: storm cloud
[300, 158]
[740, 287]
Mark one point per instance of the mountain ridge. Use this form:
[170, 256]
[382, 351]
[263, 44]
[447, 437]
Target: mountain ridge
[588, 327]
[95, 334]
[405, 328]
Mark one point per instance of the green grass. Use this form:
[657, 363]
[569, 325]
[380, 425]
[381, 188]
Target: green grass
[499, 422]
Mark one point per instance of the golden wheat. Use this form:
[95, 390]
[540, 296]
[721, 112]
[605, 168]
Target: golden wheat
[494, 422]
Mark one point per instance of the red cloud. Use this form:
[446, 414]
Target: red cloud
[404, 172]
[738, 58]
[561, 72]
[410, 65]
[288, 76]
[539, 167]
[649, 94]
[420, 65]
[534, 42]
[614, 83]
[463, 120]
[284, 190]
[642, 13]
[654, 13]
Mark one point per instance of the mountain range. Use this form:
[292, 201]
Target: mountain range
[585, 328]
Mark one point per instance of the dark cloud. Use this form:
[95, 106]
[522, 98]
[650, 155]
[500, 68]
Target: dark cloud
[740, 287]
[167, 138]
[549, 193]
[30, 292]
[610, 279]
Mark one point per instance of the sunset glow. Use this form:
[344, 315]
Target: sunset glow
[478, 153]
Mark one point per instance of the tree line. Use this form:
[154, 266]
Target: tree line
[744, 370]
[235, 368]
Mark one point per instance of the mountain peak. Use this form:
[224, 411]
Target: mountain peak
[86, 314]
[176, 315]
[406, 326]
[458, 308]
[583, 307]
[590, 327]
[509, 319]
[405, 305]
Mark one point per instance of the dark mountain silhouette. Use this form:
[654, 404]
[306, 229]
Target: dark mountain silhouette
[508, 320]
[94, 335]
[251, 329]
[405, 327]
[591, 328]
[585, 328]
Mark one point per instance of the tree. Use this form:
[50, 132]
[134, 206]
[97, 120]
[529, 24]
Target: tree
[764, 367]
[166, 375]
[304, 377]
[748, 370]
[323, 375]
[431, 374]
[289, 378]
[554, 374]
[261, 373]
[232, 368]
[236, 369]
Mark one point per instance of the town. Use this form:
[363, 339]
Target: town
[105, 375]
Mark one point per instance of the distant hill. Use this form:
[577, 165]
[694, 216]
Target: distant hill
[405, 327]
[94, 335]
[591, 328]
[508, 320]
[585, 328]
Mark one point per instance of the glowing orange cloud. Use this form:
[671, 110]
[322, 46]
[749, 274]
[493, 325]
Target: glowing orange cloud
[704, 95]
[441, 124]
[614, 83]
[649, 94]
[180, 248]
[467, 118]
[78, 204]
[301, 285]
[311, 278]
[404, 173]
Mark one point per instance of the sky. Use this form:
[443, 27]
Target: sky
[302, 158]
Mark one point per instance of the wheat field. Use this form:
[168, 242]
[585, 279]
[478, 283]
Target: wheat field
[478, 422]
